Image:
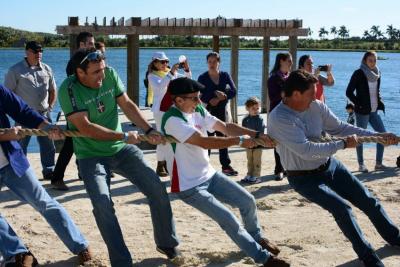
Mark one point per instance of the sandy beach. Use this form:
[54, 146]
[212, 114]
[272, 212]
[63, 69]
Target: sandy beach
[306, 234]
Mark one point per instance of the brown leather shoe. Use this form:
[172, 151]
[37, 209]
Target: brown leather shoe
[276, 262]
[268, 245]
[161, 169]
[84, 256]
[25, 259]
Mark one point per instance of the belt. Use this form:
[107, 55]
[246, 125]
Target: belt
[320, 169]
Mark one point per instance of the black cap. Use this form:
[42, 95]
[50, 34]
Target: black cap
[183, 85]
[35, 46]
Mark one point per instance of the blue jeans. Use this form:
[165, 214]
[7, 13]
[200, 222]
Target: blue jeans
[47, 150]
[330, 189]
[207, 198]
[376, 122]
[129, 163]
[29, 190]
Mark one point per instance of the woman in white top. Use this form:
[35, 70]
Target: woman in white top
[367, 101]
[159, 76]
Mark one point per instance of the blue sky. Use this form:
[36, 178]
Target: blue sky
[356, 15]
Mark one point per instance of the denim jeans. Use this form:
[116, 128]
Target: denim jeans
[208, 197]
[129, 163]
[330, 189]
[29, 190]
[47, 150]
[376, 122]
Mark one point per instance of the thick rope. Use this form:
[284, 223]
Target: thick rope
[170, 139]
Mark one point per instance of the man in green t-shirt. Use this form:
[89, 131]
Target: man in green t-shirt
[89, 99]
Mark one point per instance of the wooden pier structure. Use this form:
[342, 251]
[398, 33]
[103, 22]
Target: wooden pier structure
[133, 27]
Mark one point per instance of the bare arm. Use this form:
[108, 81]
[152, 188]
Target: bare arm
[132, 111]
[93, 130]
[232, 129]
[52, 98]
[212, 142]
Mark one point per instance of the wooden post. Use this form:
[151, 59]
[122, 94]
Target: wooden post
[133, 67]
[235, 74]
[265, 103]
[215, 44]
[293, 50]
[72, 21]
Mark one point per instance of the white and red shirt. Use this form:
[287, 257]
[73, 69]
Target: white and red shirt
[189, 165]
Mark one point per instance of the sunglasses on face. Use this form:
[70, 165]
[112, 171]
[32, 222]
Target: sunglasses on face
[163, 61]
[193, 98]
[93, 56]
[37, 51]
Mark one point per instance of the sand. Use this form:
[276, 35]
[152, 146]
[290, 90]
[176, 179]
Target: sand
[306, 234]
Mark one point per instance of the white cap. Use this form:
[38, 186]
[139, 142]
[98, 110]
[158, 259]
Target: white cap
[159, 56]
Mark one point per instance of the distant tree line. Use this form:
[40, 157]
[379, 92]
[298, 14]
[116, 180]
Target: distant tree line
[372, 39]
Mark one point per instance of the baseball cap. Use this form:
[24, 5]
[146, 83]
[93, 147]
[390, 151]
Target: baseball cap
[184, 85]
[35, 46]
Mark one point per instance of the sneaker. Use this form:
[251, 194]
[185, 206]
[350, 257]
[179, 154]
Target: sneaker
[372, 260]
[229, 171]
[59, 185]
[279, 176]
[268, 245]
[362, 168]
[380, 167]
[84, 256]
[171, 253]
[25, 259]
[274, 261]
[250, 180]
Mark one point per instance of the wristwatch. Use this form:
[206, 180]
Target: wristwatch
[126, 137]
[241, 139]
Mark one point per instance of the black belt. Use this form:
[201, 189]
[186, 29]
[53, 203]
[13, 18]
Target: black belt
[320, 169]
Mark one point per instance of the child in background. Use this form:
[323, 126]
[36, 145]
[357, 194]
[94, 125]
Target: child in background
[352, 116]
[255, 122]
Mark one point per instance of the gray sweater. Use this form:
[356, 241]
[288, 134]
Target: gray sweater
[294, 131]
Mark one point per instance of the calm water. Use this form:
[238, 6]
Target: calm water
[344, 63]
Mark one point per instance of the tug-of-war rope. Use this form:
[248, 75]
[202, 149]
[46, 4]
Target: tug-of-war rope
[170, 139]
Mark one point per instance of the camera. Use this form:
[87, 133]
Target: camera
[323, 67]
[182, 60]
[181, 65]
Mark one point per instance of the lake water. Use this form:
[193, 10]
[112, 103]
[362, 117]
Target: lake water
[250, 62]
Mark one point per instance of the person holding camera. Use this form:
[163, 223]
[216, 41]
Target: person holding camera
[306, 63]
[159, 76]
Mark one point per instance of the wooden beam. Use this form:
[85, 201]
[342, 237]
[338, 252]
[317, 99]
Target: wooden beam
[265, 103]
[215, 43]
[133, 67]
[293, 50]
[183, 30]
[235, 74]
[73, 22]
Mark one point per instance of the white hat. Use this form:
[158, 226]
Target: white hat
[159, 56]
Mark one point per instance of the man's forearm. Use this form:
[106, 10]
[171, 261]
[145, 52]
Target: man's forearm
[233, 129]
[213, 142]
[52, 98]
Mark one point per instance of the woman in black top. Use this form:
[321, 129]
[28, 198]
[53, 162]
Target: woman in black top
[367, 101]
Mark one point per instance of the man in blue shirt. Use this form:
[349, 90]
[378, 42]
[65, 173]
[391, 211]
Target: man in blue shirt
[19, 177]
[297, 123]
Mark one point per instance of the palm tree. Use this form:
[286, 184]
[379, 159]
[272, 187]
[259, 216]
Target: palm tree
[322, 32]
[376, 33]
[391, 32]
[343, 32]
[310, 32]
[334, 31]
[366, 35]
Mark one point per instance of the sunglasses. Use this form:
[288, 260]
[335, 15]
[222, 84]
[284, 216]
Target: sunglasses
[93, 56]
[163, 61]
[193, 98]
[37, 51]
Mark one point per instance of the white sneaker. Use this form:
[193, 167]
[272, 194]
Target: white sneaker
[362, 168]
[380, 167]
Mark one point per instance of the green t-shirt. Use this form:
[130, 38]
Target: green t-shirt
[101, 106]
